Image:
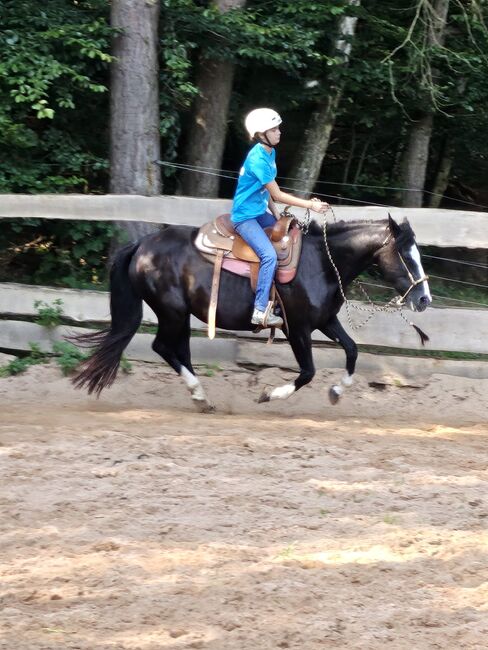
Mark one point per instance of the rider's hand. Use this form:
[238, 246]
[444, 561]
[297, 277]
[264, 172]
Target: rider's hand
[316, 205]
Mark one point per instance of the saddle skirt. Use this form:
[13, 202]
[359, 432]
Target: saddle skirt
[239, 257]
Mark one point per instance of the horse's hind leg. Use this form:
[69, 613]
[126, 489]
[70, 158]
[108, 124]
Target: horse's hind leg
[336, 332]
[175, 350]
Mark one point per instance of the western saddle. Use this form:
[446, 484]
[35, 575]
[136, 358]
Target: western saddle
[220, 244]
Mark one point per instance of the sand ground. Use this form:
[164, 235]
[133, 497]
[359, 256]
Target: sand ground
[133, 522]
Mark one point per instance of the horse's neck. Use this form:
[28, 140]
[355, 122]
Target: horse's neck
[353, 250]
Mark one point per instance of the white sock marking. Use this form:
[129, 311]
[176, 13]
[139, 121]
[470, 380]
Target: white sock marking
[282, 392]
[193, 385]
[347, 380]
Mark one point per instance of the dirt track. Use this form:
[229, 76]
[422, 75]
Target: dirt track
[132, 522]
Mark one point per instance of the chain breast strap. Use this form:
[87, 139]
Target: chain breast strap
[392, 305]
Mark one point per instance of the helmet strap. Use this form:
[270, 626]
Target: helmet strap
[264, 141]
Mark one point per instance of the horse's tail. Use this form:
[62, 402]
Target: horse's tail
[100, 369]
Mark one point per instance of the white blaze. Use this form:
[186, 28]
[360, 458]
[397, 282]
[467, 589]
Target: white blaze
[415, 255]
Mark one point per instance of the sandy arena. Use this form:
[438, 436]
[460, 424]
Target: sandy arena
[134, 523]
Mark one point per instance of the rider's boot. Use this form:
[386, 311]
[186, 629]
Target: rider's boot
[266, 318]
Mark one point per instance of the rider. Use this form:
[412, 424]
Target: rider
[253, 208]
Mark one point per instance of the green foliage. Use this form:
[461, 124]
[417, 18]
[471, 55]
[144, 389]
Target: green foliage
[53, 71]
[20, 364]
[210, 369]
[421, 74]
[68, 356]
[177, 89]
[49, 315]
[54, 76]
[284, 36]
[55, 252]
[54, 68]
[125, 365]
[394, 76]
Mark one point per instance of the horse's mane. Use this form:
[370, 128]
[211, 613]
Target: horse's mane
[336, 228]
[340, 227]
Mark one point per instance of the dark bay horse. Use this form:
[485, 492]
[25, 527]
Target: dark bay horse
[167, 272]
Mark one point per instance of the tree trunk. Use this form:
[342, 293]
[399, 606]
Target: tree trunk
[443, 174]
[350, 156]
[134, 105]
[417, 153]
[308, 161]
[310, 156]
[208, 126]
[362, 158]
[416, 158]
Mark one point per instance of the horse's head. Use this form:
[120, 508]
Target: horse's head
[399, 261]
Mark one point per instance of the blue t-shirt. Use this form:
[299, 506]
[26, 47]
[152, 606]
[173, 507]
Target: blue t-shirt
[251, 197]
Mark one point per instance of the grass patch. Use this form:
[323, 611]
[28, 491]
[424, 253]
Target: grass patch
[288, 551]
[210, 369]
[20, 364]
[429, 354]
[390, 519]
[68, 356]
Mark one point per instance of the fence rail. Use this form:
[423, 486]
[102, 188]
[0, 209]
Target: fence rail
[450, 329]
[433, 227]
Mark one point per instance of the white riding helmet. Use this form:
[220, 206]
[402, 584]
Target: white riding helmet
[260, 120]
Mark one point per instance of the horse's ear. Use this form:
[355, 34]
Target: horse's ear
[394, 227]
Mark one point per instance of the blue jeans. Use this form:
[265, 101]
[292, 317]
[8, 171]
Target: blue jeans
[252, 231]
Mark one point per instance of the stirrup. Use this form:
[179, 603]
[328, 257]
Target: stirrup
[266, 318]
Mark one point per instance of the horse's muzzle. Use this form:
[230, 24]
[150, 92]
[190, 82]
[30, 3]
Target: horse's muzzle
[421, 304]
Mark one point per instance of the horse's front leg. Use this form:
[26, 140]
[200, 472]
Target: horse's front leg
[301, 344]
[336, 332]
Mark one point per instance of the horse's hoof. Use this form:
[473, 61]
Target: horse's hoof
[204, 407]
[334, 394]
[264, 397]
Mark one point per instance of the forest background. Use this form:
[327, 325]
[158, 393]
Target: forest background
[382, 103]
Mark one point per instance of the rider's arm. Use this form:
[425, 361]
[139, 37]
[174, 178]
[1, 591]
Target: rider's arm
[282, 197]
[273, 208]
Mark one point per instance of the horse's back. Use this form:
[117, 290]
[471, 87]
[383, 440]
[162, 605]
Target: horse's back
[166, 262]
[169, 234]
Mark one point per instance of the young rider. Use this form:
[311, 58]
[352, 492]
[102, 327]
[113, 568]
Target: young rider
[256, 192]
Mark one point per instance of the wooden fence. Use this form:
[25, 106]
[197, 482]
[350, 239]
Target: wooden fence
[450, 329]
[434, 227]
[462, 330]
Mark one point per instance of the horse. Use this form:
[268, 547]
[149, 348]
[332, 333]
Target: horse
[165, 270]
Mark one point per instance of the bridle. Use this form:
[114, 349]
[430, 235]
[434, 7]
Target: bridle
[413, 282]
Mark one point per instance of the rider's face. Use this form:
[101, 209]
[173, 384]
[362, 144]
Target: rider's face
[273, 135]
